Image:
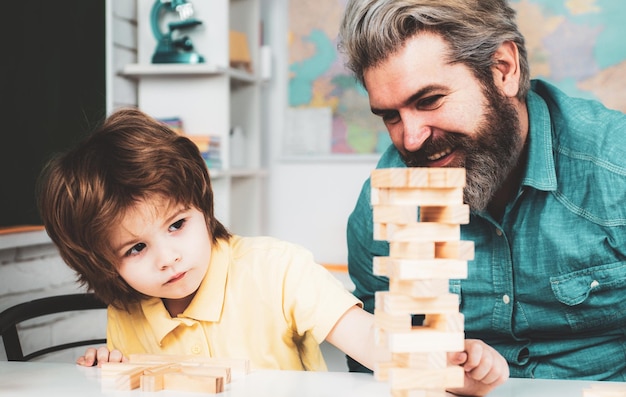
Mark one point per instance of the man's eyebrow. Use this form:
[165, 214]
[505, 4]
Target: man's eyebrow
[427, 90]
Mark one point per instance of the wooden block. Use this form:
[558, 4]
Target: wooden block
[407, 379]
[151, 382]
[392, 322]
[389, 177]
[419, 288]
[407, 269]
[152, 378]
[129, 380]
[419, 393]
[209, 370]
[401, 214]
[456, 177]
[605, 389]
[436, 177]
[448, 322]
[453, 214]
[418, 177]
[421, 361]
[397, 304]
[463, 250]
[232, 363]
[180, 381]
[422, 340]
[381, 370]
[417, 196]
[110, 370]
[426, 231]
[412, 249]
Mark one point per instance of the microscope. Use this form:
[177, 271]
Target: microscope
[173, 46]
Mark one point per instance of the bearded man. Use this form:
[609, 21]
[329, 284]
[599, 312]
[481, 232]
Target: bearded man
[546, 181]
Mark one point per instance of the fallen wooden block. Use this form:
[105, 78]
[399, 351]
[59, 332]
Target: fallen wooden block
[605, 389]
[128, 380]
[181, 381]
[155, 372]
[234, 364]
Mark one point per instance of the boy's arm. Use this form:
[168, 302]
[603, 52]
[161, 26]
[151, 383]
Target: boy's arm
[484, 367]
[354, 335]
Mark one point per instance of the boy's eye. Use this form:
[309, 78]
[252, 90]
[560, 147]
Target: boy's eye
[177, 225]
[137, 248]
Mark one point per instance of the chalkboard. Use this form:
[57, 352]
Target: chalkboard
[52, 91]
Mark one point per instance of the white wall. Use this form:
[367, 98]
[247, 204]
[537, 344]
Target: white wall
[308, 201]
[309, 204]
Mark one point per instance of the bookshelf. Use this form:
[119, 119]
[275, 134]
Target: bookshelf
[212, 99]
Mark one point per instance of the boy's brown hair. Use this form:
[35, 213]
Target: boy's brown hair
[85, 191]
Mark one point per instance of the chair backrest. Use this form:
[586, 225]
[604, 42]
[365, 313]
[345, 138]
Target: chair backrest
[11, 317]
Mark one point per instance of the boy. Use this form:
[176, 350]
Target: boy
[131, 210]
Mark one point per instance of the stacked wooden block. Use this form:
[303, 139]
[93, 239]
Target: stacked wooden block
[419, 211]
[153, 372]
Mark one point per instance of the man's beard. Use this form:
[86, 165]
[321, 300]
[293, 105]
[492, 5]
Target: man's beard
[490, 155]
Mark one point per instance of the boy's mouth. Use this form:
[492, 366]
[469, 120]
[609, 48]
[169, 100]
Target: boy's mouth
[176, 277]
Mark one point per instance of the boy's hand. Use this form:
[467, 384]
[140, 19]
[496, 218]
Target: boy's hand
[484, 368]
[101, 355]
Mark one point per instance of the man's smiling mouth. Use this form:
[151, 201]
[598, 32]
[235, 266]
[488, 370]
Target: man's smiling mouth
[439, 155]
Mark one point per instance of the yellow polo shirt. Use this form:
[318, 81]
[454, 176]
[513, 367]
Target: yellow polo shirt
[262, 299]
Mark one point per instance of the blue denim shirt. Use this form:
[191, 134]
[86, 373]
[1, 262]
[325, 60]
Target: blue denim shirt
[547, 287]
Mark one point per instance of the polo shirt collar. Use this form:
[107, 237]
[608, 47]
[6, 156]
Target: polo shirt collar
[206, 305]
[540, 172]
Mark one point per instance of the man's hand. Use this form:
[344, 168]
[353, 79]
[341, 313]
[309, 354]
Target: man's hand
[484, 368]
[98, 356]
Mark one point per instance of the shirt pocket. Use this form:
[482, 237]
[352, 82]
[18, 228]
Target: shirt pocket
[594, 297]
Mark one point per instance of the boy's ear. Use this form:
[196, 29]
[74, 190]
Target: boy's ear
[506, 69]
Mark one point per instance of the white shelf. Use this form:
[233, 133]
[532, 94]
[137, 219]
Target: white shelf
[212, 98]
[137, 70]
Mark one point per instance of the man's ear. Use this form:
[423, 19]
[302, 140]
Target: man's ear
[506, 68]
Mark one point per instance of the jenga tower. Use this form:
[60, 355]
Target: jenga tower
[419, 211]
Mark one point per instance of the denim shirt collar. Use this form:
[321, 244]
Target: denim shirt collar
[540, 170]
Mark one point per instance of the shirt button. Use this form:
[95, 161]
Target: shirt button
[196, 349]
[594, 284]
[506, 299]
[499, 232]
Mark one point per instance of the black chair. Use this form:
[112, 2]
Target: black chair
[11, 317]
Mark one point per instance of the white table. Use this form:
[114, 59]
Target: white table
[53, 379]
